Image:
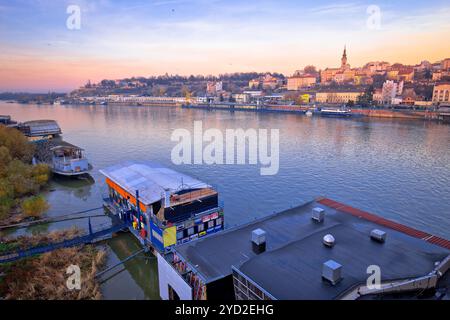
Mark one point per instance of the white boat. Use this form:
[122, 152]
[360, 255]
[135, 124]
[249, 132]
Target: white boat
[69, 160]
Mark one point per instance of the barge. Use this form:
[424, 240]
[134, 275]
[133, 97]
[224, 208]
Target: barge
[163, 207]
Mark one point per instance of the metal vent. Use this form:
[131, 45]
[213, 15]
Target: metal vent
[378, 235]
[328, 240]
[332, 272]
[258, 240]
[318, 214]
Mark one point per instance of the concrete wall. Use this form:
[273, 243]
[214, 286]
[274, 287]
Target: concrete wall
[168, 276]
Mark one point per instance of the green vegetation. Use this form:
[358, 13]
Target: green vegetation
[34, 206]
[18, 178]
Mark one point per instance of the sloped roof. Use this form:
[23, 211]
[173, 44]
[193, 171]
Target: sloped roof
[151, 179]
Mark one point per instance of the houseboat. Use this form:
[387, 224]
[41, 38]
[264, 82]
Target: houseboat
[6, 120]
[164, 207]
[39, 130]
[69, 160]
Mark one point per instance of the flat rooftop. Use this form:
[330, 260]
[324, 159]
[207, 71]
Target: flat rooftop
[151, 179]
[291, 266]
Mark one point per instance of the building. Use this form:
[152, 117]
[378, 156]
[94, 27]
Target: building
[301, 81]
[320, 250]
[241, 97]
[377, 67]
[214, 87]
[445, 64]
[265, 82]
[378, 96]
[441, 74]
[338, 97]
[163, 206]
[441, 93]
[391, 90]
[399, 72]
[409, 96]
[340, 75]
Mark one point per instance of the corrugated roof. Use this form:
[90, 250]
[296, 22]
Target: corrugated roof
[151, 179]
[42, 127]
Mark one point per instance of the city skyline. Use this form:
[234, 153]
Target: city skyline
[119, 39]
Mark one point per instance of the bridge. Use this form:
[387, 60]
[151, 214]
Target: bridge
[90, 237]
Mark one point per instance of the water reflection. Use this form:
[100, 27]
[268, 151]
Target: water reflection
[396, 169]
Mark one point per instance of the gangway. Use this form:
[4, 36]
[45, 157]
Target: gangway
[84, 239]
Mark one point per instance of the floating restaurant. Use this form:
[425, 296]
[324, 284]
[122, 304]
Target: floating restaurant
[69, 160]
[320, 250]
[38, 130]
[163, 207]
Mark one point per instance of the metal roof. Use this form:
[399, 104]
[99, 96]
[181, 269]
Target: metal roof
[151, 179]
[42, 127]
[292, 264]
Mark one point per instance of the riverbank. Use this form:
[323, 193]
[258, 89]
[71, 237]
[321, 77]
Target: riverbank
[297, 109]
[44, 277]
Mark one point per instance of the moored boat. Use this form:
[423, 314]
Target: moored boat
[164, 207]
[69, 160]
[335, 112]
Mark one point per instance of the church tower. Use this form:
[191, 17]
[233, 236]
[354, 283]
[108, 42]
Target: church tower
[344, 59]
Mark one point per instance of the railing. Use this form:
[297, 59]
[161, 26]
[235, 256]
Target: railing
[88, 238]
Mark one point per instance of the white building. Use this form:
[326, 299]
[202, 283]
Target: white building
[390, 91]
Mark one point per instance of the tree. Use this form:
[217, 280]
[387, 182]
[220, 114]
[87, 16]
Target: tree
[34, 206]
[310, 69]
[16, 143]
[366, 99]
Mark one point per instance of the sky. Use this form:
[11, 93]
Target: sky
[125, 38]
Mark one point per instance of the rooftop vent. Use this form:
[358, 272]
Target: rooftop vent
[318, 214]
[328, 240]
[332, 272]
[378, 235]
[259, 240]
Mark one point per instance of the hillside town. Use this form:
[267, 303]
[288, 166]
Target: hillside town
[377, 83]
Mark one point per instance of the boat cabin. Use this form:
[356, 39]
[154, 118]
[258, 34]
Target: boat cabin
[164, 207]
[69, 160]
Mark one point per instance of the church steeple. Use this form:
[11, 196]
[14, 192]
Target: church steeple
[344, 58]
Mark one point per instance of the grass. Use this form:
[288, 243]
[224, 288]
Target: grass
[44, 277]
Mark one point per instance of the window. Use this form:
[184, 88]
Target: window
[190, 231]
[210, 224]
[200, 227]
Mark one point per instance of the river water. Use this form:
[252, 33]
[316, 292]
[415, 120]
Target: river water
[398, 169]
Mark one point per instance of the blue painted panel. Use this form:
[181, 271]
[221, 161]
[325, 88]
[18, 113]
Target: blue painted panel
[156, 236]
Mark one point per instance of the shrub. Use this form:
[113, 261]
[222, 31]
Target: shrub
[40, 174]
[34, 206]
[16, 143]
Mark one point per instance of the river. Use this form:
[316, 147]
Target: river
[398, 169]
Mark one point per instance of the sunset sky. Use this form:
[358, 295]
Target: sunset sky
[124, 38]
